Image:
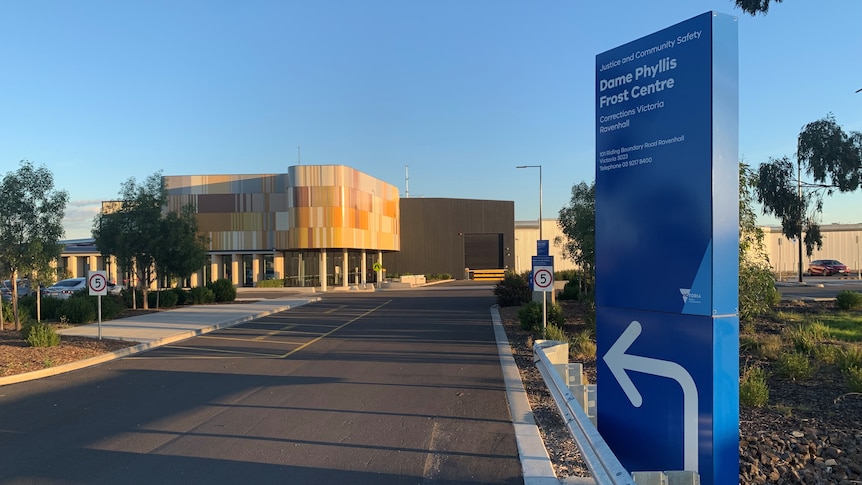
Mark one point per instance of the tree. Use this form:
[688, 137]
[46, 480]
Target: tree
[31, 224]
[187, 251]
[142, 235]
[757, 292]
[832, 157]
[578, 223]
[131, 231]
[754, 7]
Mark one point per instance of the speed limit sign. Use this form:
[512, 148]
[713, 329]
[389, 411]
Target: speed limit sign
[543, 278]
[97, 283]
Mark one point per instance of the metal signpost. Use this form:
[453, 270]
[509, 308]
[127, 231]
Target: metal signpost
[667, 222]
[97, 284]
[543, 280]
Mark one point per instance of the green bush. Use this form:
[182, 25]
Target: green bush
[112, 305]
[127, 293]
[183, 297]
[567, 275]
[553, 332]
[753, 390]
[201, 295]
[51, 308]
[6, 308]
[78, 309]
[795, 365]
[757, 292]
[42, 335]
[850, 356]
[854, 379]
[802, 339]
[582, 347]
[223, 290]
[164, 298]
[530, 316]
[848, 300]
[570, 291]
[512, 290]
[270, 283]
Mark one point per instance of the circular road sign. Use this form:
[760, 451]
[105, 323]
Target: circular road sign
[377, 267]
[97, 282]
[543, 278]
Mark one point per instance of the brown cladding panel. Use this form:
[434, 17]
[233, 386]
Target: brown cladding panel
[436, 235]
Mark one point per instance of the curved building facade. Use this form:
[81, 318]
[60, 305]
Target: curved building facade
[316, 225]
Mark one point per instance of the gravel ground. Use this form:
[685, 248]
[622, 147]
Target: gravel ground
[809, 433]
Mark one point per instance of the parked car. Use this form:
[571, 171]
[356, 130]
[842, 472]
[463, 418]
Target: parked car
[6, 289]
[115, 289]
[65, 288]
[826, 267]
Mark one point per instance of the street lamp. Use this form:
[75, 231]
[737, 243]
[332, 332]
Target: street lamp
[540, 195]
[544, 294]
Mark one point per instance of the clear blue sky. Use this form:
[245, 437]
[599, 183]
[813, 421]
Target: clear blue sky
[461, 91]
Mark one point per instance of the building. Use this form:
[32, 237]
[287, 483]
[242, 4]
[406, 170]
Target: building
[316, 225]
[454, 236]
[840, 241]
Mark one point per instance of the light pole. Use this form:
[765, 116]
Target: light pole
[544, 294]
[540, 194]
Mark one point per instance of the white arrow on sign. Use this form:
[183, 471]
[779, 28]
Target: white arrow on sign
[618, 361]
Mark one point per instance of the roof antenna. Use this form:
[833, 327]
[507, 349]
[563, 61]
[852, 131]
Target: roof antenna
[406, 181]
[298, 156]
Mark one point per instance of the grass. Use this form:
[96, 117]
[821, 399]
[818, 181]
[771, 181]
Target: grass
[753, 390]
[843, 326]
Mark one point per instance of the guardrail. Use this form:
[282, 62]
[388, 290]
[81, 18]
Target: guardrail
[578, 411]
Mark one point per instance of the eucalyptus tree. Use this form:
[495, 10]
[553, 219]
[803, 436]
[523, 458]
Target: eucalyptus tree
[31, 224]
[833, 160]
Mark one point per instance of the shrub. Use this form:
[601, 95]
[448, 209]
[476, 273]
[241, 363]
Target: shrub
[530, 316]
[127, 294]
[51, 308]
[78, 309]
[270, 284]
[582, 347]
[848, 300]
[850, 356]
[757, 292]
[201, 295]
[182, 296]
[801, 337]
[512, 290]
[794, 365]
[826, 353]
[223, 290]
[753, 390]
[112, 305]
[854, 379]
[165, 299]
[570, 291]
[41, 335]
[553, 332]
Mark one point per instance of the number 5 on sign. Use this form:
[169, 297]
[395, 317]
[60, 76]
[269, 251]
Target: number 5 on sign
[543, 278]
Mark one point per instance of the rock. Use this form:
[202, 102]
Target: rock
[830, 462]
[797, 434]
[831, 452]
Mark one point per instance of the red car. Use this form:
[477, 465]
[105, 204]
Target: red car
[826, 267]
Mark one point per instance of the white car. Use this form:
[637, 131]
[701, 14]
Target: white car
[65, 288]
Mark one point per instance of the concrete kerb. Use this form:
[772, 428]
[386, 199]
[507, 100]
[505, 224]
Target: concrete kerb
[535, 462]
[158, 342]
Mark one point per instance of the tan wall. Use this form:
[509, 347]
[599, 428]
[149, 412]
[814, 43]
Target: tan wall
[840, 241]
[526, 235]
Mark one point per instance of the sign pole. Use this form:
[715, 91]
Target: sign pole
[100, 316]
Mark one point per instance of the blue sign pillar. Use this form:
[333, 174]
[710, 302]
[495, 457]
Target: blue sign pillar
[667, 241]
